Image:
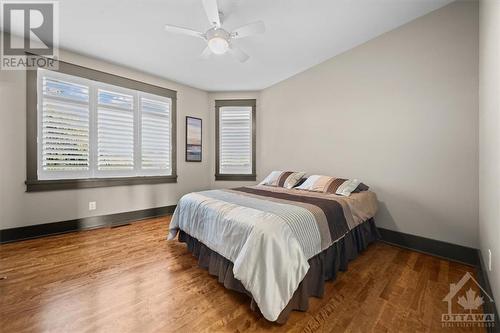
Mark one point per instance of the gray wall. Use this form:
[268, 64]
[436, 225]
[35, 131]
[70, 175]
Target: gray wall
[489, 138]
[399, 112]
[18, 208]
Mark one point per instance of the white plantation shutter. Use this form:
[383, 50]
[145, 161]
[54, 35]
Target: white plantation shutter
[235, 140]
[89, 129]
[115, 132]
[63, 127]
[155, 135]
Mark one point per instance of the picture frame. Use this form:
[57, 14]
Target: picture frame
[194, 138]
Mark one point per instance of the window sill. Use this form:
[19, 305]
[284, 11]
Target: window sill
[72, 184]
[236, 177]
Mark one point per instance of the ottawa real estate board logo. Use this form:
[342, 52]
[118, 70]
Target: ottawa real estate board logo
[465, 305]
[30, 34]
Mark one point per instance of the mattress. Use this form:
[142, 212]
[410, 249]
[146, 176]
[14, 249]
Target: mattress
[270, 233]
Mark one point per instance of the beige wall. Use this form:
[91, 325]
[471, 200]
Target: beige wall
[489, 138]
[399, 112]
[18, 208]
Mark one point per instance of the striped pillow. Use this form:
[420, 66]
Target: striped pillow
[286, 179]
[327, 184]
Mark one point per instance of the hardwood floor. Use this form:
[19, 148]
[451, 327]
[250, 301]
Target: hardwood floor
[130, 279]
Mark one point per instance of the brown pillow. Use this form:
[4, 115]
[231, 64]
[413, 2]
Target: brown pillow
[361, 187]
[286, 179]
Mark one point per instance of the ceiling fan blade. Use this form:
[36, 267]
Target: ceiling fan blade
[238, 53]
[183, 31]
[249, 30]
[212, 11]
[206, 53]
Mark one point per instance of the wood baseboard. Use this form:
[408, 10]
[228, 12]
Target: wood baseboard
[54, 228]
[463, 254]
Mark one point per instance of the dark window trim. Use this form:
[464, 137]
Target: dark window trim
[235, 102]
[32, 181]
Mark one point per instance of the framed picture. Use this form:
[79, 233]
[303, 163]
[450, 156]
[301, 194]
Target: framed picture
[193, 139]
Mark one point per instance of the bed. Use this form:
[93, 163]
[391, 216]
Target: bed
[277, 245]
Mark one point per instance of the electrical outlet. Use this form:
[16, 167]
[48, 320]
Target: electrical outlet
[489, 260]
[92, 205]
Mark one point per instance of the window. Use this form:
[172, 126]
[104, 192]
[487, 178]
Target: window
[235, 139]
[97, 129]
[64, 128]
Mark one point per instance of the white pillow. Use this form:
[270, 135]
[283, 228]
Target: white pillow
[312, 183]
[271, 178]
[347, 187]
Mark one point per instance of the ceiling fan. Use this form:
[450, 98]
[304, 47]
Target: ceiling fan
[219, 41]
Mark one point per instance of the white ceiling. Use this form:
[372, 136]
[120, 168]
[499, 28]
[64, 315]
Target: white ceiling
[299, 34]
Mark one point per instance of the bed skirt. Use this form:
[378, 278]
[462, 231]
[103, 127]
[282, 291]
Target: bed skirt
[323, 266]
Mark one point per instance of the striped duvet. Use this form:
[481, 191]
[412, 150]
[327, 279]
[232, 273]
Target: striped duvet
[269, 233]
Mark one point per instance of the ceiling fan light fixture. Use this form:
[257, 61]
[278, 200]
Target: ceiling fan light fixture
[219, 40]
[218, 45]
